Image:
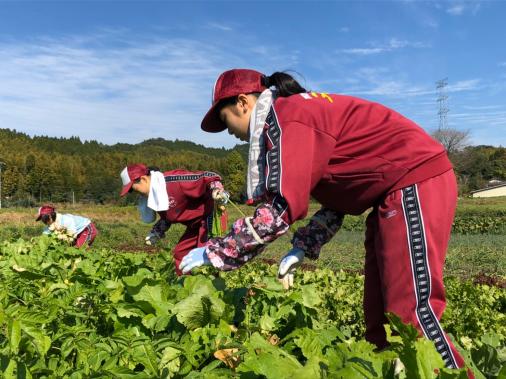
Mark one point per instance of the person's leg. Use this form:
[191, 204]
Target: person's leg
[414, 226]
[194, 236]
[93, 234]
[81, 238]
[373, 297]
[86, 236]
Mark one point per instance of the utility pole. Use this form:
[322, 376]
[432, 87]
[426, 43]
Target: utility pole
[1, 164]
[442, 99]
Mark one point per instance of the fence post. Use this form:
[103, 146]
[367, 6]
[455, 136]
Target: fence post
[1, 164]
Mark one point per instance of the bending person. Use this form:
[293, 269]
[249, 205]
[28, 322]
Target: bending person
[178, 196]
[75, 230]
[350, 155]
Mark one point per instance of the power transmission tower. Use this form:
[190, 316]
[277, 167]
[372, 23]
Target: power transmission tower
[442, 100]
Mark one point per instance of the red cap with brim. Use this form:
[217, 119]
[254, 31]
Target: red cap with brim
[130, 174]
[44, 210]
[230, 83]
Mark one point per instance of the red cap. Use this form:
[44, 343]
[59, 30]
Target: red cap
[131, 173]
[45, 210]
[230, 83]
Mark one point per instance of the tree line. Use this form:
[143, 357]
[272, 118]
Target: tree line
[47, 169]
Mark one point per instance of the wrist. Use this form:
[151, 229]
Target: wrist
[300, 253]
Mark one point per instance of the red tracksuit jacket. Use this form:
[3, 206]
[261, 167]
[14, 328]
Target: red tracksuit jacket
[345, 152]
[350, 155]
[189, 198]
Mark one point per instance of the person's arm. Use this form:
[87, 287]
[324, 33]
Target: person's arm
[247, 238]
[215, 185]
[218, 192]
[296, 159]
[158, 231]
[197, 184]
[322, 226]
[160, 227]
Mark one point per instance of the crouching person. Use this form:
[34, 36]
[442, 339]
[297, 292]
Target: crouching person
[75, 230]
[194, 199]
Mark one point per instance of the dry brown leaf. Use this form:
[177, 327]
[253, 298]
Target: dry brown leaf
[274, 340]
[227, 356]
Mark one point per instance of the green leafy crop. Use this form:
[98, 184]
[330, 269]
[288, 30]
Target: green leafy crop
[69, 313]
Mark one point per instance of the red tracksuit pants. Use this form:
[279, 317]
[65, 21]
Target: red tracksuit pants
[86, 236]
[406, 240]
[194, 236]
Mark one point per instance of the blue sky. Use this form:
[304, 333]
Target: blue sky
[127, 71]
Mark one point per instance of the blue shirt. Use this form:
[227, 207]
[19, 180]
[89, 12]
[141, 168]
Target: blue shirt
[74, 224]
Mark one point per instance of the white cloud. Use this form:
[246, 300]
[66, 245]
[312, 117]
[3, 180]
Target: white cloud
[464, 85]
[484, 118]
[363, 51]
[381, 82]
[430, 23]
[456, 9]
[482, 107]
[222, 27]
[459, 8]
[390, 45]
[271, 56]
[113, 87]
[421, 14]
[395, 43]
[344, 29]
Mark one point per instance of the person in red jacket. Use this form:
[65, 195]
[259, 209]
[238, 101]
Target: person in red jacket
[178, 196]
[350, 155]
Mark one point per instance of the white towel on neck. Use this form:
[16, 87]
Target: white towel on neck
[158, 199]
[255, 183]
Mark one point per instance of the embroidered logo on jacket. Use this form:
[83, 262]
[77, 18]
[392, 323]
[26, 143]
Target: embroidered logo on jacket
[389, 214]
[172, 202]
[310, 95]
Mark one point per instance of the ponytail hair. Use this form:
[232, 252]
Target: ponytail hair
[284, 83]
[152, 168]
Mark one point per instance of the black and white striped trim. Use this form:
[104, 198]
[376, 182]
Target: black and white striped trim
[189, 177]
[274, 163]
[209, 223]
[90, 232]
[273, 181]
[421, 274]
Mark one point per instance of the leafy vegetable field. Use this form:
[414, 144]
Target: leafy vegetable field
[99, 314]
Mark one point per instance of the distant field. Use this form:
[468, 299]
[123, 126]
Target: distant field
[120, 229]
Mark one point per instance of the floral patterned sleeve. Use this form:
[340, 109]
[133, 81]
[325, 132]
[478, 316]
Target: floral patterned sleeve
[321, 228]
[247, 238]
[215, 185]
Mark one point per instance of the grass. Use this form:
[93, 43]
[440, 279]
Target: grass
[482, 205]
[120, 230]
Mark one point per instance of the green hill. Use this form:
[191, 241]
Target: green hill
[41, 168]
